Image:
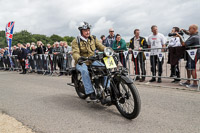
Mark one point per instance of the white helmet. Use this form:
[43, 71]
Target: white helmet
[84, 26]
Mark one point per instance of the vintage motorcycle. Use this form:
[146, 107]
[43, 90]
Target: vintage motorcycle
[122, 92]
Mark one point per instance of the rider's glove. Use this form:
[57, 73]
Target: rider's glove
[81, 59]
[92, 58]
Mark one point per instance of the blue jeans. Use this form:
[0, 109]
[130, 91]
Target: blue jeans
[83, 69]
[64, 64]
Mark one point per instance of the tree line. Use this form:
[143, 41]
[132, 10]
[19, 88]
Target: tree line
[26, 37]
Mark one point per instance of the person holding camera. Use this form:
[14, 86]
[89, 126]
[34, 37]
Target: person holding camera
[193, 40]
[174, 42]
[156, 41]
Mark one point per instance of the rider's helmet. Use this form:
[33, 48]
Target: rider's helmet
[84, 26]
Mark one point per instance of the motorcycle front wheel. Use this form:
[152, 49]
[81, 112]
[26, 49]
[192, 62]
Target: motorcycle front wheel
[129, 103]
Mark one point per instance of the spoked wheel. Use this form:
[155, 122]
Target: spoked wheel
[80, 90]
[128, 103]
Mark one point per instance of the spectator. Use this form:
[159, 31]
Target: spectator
[68, 51]
[174, 42]
[61, 58]
[43, 48]
[44, 58]
[39, 51]
[157, 41]
[193, 40]
[15, 53]
[54, 46]
[1, 59]
[32, 58]
[6, 59]
[28, 48]
[49, 52]
[22, 56]
[103, 40]
[138, 43]
[56, 52]
[49, 49]
[110, 38]
[119, 45]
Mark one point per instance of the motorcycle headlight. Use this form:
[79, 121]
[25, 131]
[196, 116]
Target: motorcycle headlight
[108, 51]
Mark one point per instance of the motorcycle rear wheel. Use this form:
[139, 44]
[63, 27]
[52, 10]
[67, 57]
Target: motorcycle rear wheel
[79, 87]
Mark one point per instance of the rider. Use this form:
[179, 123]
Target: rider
[82, 47]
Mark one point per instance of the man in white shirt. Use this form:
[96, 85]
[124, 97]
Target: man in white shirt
[156, 41]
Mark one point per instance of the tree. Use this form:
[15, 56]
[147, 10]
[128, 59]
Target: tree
[56, 38]
[26, 37]
[43, 38]
[3, 42]
[68, 39]
[22, 37]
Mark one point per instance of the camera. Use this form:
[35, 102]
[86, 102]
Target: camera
[174, 34]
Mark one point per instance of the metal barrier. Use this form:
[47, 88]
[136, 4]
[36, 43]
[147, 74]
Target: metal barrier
[137, 62]
[40, 63]
[143, 66]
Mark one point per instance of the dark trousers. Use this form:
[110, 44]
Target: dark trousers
[44, 62]
[54, 61]
[23, 65]
[39, 65]
[32, 64]
[122, 59]
[6, 63]
[15, 63]
[1, 63]
[154, 60]
[175, 71]
[51, 63]
[139, 64]
[60, 63]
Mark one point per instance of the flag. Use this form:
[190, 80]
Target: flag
[160, 56]
[125, 54]
[26, 64]
[9, 36]
[135, 53]
[192, 53]
[147, 55]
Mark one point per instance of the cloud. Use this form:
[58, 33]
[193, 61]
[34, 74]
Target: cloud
[102, 25]
[62, 17]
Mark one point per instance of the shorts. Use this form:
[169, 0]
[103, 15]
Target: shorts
[190, 64]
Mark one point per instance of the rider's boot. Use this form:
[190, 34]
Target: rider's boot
[91, 97]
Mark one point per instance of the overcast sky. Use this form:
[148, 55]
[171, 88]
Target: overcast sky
[63, 16]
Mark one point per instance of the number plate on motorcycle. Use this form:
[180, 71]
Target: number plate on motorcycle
[109, 62]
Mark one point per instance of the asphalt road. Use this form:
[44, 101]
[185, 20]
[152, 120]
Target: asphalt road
[47, 105]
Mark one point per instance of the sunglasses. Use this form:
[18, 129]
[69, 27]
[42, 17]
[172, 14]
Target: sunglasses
[111, 31]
